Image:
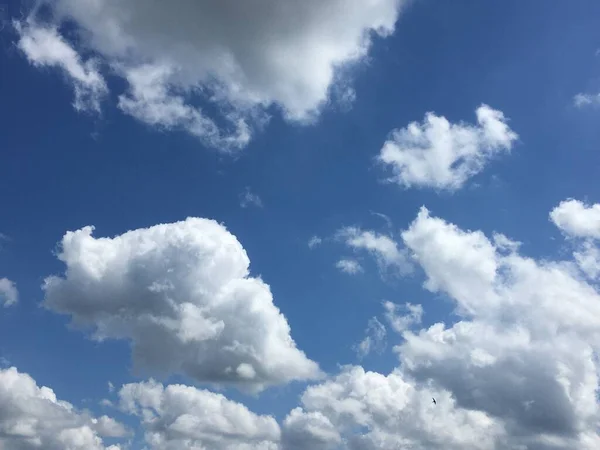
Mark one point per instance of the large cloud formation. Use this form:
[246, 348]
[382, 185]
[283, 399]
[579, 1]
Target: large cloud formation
[518, 370]
[444, 156]
[182, 294]
[242, 57]
[32, 418]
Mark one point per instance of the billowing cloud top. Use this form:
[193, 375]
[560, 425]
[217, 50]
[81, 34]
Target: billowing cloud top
[31, 417]
[441, 155]
[239, 55]
[182, 294]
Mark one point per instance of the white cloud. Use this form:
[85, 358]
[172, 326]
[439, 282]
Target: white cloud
[9, 295]
[580, 100]
[382, 247]
[182, 294]
[151, 100]
[312, 430]
[401, 318]
[183, 417]
[45, 47]
[374, 340]
[441, 155]
[518, 370]
[349, 266]
[31, 417]
[524, 351]
[587, 257]
[577, 219]
[314, 241]
[238, 58]
[581, 224]
[247, 198]
[374, 411]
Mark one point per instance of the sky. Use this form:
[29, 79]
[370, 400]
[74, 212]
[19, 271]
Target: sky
[281, 225]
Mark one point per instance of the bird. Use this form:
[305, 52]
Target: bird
[434, 402]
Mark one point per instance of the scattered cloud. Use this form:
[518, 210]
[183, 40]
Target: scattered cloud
[9, 295]
[375, 339]
[581, 224]
[247, 198]
[582, 100]
[349, 266]
[383, 248]
[182, 295]
[401, 318]
[45, 47]
[444, 156]
[576, 219]
[236, 60]
[31, 417]
[314, 241]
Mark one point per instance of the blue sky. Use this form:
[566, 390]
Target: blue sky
[63, 169]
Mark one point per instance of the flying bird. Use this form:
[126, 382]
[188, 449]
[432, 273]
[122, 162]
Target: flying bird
[434, 402]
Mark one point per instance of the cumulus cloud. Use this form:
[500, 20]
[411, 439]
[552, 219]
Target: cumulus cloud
[374, 340]
[31, 417]
[184, 417]
[444, 156]
[9, 295]
[382, 247]
[248, 198]
[236, 58]
[45, 47]
[182, 295]
[577, 219]
[581, 224]
[524, 351]
[349, 266]
[517, 370]
[375, 411]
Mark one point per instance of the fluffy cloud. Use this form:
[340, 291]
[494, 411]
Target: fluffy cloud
[183, 417]
[382, 247]
[45, 47]
[440, 155]
[182, 294]
[349, 266]
[31, 417]
[525, 350]
[374, 339]
[581, 224]
[518, 370]
[9, 295]
[240, 58]
[374, 411]
[576, 219]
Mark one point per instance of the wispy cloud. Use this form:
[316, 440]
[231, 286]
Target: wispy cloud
[248, 198]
